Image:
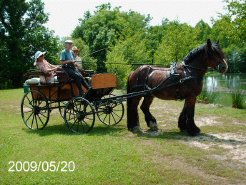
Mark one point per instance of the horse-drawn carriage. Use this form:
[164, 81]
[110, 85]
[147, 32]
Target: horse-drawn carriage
[180, 82]
[79, 113]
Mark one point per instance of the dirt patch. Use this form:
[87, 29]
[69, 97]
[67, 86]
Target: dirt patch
[208, 121]
[233, 144]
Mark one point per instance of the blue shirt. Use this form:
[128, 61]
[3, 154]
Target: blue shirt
[67, 55]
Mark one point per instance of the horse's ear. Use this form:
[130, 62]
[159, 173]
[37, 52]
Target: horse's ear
[209, 43]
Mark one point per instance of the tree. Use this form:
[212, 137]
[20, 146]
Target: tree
[22, 34]
[84, 52]
[230, 30]
[203, 31]
[178, 39]
[128, 54]
[105, 27]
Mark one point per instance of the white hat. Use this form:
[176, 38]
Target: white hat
[68, 42]
[37, 55]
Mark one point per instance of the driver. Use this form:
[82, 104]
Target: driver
[67, 59]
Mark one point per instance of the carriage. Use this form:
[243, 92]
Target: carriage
[79, 113]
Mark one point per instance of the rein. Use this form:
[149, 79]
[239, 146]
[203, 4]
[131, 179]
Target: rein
[192, 67]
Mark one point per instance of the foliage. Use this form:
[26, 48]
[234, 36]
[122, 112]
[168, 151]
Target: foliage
[237, 98]
[104, 28]
[207, 97]
[126, 54]
[110, 35]
[21, 34]
[178, 39]
[230, 30]
[84, 52]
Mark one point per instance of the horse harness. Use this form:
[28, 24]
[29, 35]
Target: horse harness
[177, 78]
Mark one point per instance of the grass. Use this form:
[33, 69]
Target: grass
[112, 155]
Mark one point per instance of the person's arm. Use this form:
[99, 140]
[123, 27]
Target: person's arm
[51, 67]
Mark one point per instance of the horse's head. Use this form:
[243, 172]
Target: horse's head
[215, 57]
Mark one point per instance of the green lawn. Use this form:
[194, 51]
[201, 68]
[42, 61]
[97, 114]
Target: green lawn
[112, 155]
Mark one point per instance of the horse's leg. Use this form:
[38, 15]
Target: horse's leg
[149, 118]
[182, 119]
[132, 114]
[191, 127]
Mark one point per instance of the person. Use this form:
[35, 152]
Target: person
[67, 59]
[77, 58]
[44, 66]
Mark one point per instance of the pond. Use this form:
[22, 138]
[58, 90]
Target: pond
[225, 83]
[224, 86]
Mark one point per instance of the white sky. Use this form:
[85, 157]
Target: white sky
[64, 14]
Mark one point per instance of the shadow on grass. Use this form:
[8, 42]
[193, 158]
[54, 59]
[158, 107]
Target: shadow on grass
[63, 130]
[203, 137]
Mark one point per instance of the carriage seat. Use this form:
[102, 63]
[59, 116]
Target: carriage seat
[32, 76]
[32, 81]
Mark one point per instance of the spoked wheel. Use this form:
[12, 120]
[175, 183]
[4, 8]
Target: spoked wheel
[79, 115]
[110, 112]
[62, 106]
[35, 110]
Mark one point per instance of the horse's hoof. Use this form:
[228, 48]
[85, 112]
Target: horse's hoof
[153, 126]
[194, 132]
[136, 130]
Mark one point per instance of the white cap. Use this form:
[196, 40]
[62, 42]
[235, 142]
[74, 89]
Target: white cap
[37, 55]
[68, 42]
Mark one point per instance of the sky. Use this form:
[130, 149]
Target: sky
[64, 14]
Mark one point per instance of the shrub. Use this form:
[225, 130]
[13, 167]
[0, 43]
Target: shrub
[207, 97]
[237, 98]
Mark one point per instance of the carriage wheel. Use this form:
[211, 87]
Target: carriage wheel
[35, 112]
[110, 112]
[62, 106]
[79, 115]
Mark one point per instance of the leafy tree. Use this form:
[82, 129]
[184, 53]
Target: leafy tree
[103, 29]
[203, 31]
[230, 30]
[84, 52]
[127, 55]
[178, 39]
[22, 34]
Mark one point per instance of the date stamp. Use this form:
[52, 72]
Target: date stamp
[41, 166]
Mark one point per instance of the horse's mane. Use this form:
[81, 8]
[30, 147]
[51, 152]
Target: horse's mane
[194, 53]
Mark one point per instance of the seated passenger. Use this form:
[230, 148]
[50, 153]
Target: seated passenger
[44, 66]
[67, 59]
[77, 58]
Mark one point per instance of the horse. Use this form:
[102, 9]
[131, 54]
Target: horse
[182, 81]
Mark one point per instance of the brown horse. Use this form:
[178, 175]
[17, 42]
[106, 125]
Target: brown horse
[184, 81]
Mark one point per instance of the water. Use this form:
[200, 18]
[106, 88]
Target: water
[225, 83]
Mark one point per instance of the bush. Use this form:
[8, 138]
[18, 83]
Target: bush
[237, 98]
[207, 97]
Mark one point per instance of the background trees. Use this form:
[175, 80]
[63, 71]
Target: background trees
[112, 40]
[21, 34]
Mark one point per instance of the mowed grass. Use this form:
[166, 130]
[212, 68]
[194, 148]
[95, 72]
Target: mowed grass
[112, 155]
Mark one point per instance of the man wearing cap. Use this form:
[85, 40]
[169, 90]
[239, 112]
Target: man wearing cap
[67, 59]
[45, 67]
